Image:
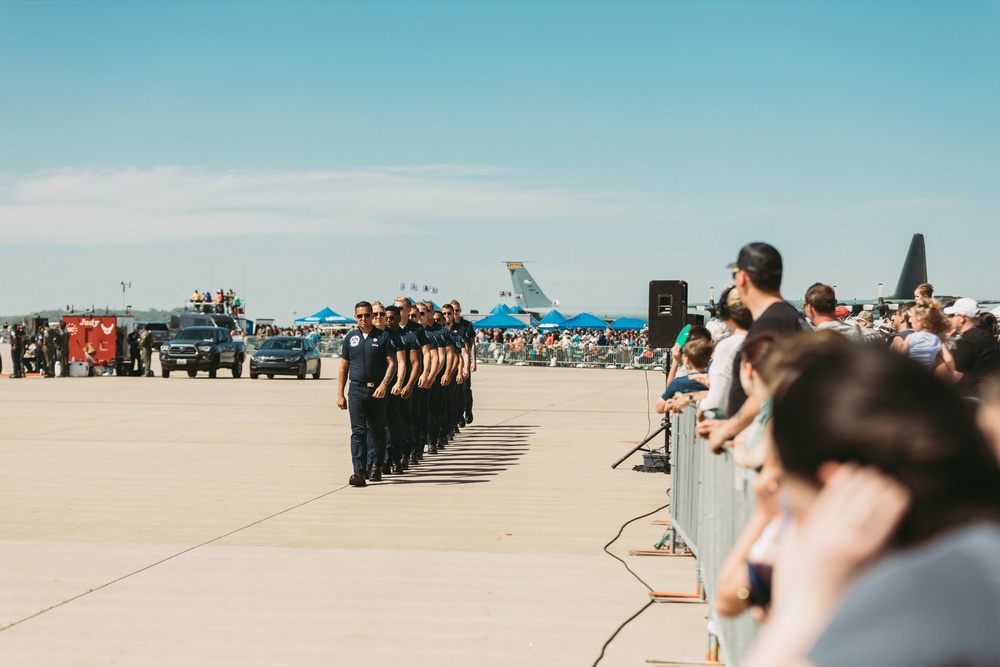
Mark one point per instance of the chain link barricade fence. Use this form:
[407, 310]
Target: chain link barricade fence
[709, 506]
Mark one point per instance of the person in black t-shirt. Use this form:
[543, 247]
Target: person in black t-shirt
[757, 275]
[975, 353]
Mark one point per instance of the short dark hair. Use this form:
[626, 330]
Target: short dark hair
[822, 298]
[362, 304]
[392, 309]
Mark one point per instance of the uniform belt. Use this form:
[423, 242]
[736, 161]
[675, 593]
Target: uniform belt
[364, 384]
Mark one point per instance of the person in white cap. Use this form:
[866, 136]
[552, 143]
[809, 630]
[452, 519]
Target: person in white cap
[975, 353]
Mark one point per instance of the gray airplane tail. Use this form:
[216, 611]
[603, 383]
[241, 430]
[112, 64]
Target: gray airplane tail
[527, 294]
[914, 270]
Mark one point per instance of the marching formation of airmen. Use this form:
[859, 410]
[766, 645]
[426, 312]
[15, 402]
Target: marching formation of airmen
[409, 369]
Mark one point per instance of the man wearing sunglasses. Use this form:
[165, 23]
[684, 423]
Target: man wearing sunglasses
[417, 357]
[368, 361]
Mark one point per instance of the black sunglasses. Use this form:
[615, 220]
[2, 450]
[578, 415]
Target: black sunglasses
[363, 316]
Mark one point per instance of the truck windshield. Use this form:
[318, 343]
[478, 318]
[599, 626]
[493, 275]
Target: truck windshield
[196, 335]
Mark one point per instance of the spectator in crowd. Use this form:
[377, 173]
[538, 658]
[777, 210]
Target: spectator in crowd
[895, 498]
[923, 291]
[866, 326]
[901, 326]
[924, 345]
[757, 274]
[737, 319]
[696, 354]
[988, 321]
[820, 306]
[767, 363]
[975, 350]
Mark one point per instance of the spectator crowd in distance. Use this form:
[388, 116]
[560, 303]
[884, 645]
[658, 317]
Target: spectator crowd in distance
[872, 449]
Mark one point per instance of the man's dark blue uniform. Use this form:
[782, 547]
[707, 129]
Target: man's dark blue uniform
[365, 364]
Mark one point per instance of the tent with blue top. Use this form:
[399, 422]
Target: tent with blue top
[504, 308]
[325, 316]
[625, 323]
[499, 321]
[584, 321]
[553, 320]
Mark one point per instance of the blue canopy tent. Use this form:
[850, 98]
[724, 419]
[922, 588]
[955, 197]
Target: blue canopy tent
[504, 308]
[584, 321]
[499, 321]
[325, 316]
[552, 321]
[624, 323]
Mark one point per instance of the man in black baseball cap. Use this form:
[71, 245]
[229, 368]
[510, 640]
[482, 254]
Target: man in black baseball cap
[762, 262]
[757, 275]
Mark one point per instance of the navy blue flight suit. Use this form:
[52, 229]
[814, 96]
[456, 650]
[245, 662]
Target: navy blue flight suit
[369, 360]
[418, 413]
[470, 335]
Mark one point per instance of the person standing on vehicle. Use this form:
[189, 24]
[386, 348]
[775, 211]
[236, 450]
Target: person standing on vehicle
[146, 345]
[369, 363]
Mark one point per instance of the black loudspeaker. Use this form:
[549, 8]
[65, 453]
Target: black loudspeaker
[667, 311]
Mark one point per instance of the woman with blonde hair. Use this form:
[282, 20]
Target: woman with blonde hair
[924, 345]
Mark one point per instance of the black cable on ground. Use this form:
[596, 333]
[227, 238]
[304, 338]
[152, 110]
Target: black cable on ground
[648, 587]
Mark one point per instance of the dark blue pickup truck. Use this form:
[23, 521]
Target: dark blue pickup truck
[202, 349]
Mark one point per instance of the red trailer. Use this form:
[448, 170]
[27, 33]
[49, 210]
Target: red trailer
[99, 340]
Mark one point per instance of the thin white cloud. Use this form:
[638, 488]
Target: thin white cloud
[77, 206]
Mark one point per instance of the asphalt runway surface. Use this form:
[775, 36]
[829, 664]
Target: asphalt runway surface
[181, 521]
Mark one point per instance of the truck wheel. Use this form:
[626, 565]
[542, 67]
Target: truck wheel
[238, 367]
[192, 373]
[165, 373]
[214, 368]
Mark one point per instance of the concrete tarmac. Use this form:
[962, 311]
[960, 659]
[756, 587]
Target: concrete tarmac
[181, 521]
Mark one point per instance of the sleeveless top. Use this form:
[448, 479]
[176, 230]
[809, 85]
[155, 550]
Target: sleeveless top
[924, 348]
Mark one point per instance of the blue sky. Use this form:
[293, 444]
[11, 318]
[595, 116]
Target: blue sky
[315, 153]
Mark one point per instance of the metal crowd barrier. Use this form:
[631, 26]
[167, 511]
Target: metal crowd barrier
[618, 356]
[708, 509]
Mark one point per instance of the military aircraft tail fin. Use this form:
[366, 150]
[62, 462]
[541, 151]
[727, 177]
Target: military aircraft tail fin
[914, 270]
[527, 293]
